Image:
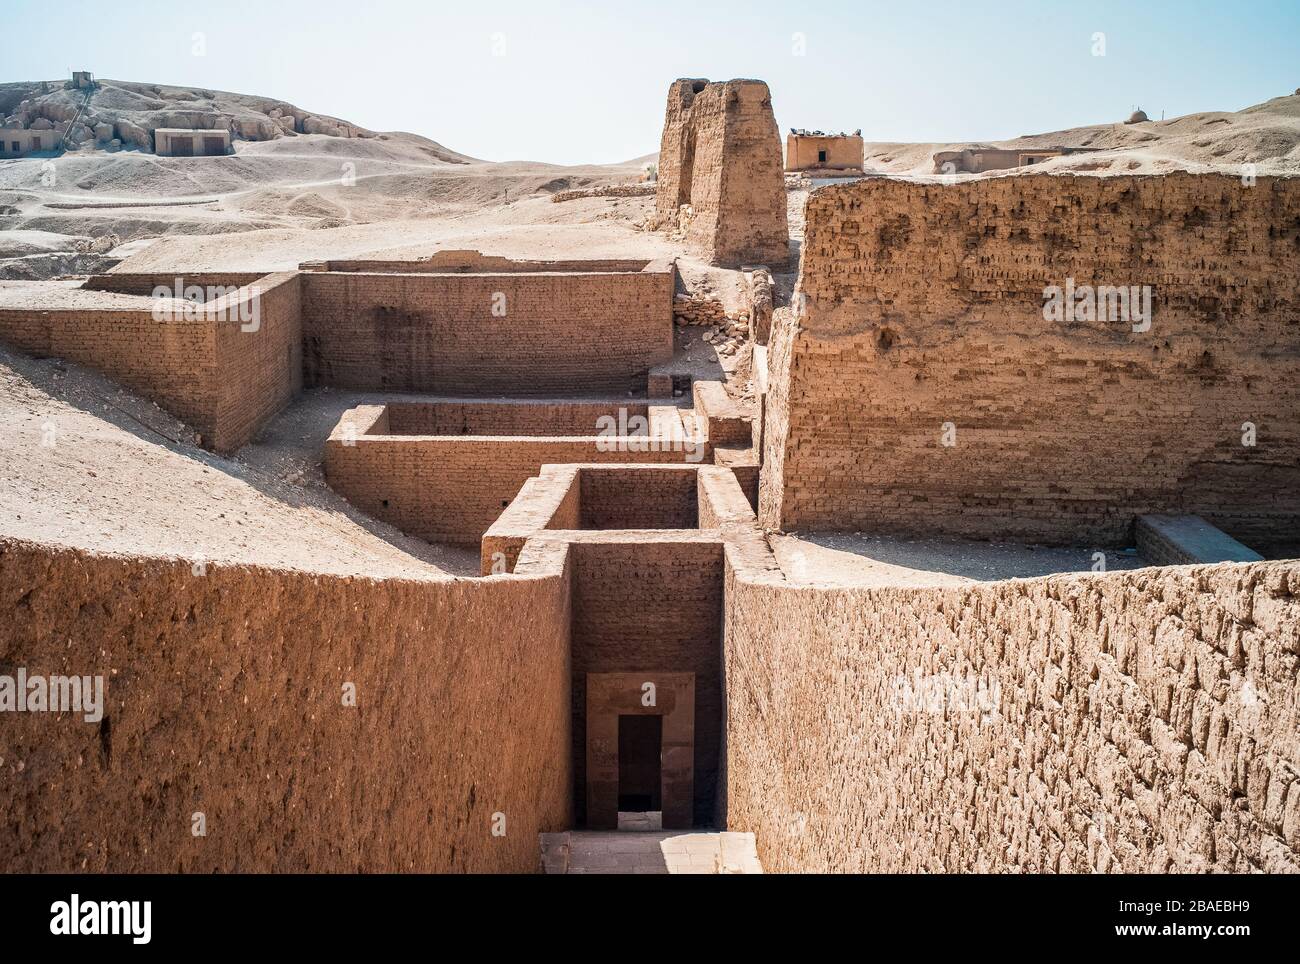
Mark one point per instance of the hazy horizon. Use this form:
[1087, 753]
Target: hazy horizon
[581, 83]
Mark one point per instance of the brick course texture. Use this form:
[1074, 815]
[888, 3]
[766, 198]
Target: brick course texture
[640, 606]
[721, 154]
[451, 487]
[258, 373]
[923, 304]
[223, 695]
[1132, 722]
[589, 333]
[204, 369]
[1136, 721]
[470, 261]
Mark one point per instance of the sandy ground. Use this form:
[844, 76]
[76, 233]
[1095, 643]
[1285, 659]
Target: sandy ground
[854, 559]
[68, 294]
[275, 203]
[86, 464]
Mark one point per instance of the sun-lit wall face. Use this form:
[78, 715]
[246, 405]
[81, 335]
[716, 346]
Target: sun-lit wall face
[809, 152]
[1040, 357]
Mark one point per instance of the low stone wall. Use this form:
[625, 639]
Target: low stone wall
[224, 693]
[1182, 540]
[613, 190]
[1143, 721]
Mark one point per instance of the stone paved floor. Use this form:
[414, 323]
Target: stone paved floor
[650, 852]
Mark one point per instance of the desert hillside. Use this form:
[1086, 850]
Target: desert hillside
[120, 114]
[293, 179]
[1266, 135]
[301, 185]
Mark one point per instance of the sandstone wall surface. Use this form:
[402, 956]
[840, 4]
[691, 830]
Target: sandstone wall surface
[1144, 721]
[560, 334]
[923, 306]
[224, 697]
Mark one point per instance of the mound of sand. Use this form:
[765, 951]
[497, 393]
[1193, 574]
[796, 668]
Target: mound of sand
[87, 464]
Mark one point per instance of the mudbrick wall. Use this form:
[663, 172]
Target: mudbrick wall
[922, 323]
[224, 696]
[144, 283]
[258, 372]
[648, 605]
[451, 488]
[551, 334]
[720, 154]
[1145, 721]
[1135, 721]
[631, 498]
[469, 260]
[225, 368]
[527, 418]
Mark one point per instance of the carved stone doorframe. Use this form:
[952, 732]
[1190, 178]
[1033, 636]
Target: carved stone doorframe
[670, 695]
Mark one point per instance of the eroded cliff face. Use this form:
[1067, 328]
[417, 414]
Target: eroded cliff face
[935, 382]
[720, 179]
[1138, 722]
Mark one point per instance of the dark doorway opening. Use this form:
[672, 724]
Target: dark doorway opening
[640, 743]
[821, 157]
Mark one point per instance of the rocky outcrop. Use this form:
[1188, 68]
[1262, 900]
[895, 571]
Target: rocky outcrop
[134, 111]
[134, 135]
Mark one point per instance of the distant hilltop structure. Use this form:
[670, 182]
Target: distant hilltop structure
[816, 150]
[978, 159]
[85, 114]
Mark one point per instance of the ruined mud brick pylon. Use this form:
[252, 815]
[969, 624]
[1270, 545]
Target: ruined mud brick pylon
[720, 172]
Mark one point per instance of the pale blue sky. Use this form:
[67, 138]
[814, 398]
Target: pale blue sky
[585, 82]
